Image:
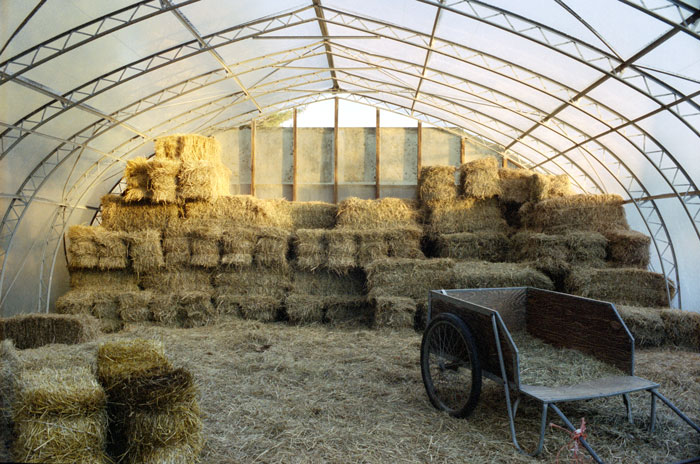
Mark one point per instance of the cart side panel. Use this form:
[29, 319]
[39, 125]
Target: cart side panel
[480, 324]
[590, 326]
[509, 302]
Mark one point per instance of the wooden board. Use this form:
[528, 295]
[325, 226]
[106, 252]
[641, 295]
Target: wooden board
[509, 302]
[592, 327]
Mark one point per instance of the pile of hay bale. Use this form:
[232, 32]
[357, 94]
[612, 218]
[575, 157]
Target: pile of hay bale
[35, 330]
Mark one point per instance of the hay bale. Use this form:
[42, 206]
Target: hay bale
[82, 247]
[586, 248]
[371, 246]
[35, 330]
[342, 250]
[253, 282]
[555, 254]
[345, 311]
[394, 312]
[515, 185]
[410, 278]
[354, 213]
[10, 366]
[310, 249]
[134, 306]
[305, 308]
[187, 147]
[646, 325]
[119, 215]
[112, 249]
[271, 246]
[196, 308]
[327, 283]
[94, 280]
[477, 246]
[405, 242]
[494, 275]
[169, 455]
[204, 245]
[467, 215]
[180, 280]
[543, 186]
[627, 286]
[255, 307]
[202, 180]
[436, 185]
[176, 250]
[628, 248]
[98, 303]
[237, 246]
[682, 328]
[597, 213]
[479, 178]
[165, 310]
[162, 179]
[312, 215]
[145, 250]
[136, 176]
[236, 210]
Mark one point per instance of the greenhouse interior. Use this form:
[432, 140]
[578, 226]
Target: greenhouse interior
[331, 231]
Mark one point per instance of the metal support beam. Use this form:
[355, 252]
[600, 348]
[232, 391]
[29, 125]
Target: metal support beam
[318, 9]
[22, 24]
[427, 55]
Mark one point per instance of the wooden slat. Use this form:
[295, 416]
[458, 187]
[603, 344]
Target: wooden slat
[509, 302]
[505, 161]
[377, 139]
[252, 157]
[294, 157]
[462, 150]
[419, 150]
[335, 154]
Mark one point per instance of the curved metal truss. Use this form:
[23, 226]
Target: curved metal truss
[553, 126]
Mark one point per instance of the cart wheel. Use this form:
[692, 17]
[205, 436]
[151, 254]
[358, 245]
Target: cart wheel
[450, 365]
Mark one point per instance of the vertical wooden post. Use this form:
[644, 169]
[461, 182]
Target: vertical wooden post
[377, 146]
[505, 161]
[463, 150]
[252, 157]
[335, 154]
[294, 157]
[419, 150]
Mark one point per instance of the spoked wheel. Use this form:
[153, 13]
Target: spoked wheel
[450, 365]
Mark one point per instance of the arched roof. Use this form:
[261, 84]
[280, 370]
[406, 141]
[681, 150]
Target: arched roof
[606, 91]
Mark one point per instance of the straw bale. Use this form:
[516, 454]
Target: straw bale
[82, 248]
[236, 210]
[188, 147]
[169, 455]
[629, 286]
[134, 306]
[310, 248]
[180, 280]
[271, 246]
[196, 308]
[476, 246]
[162, 177]
[10, 366]
[467, 215]
[493, 275]
[479, 178]
[394, 312]
[203, 180]
[598, 213]
[255, 281]
[411, 278]
[112, 249]
[586, 248]
[371, 246]
[327, 283]
[259, 307]
[312, 215]
[145, 250]
[628, 248]
[176, 250]
[682, 328]
[152, 388]
[405, 242]
[47, 391]
[237, 246]
[204, 245]
[136, 176]
[119, 215]
[304, 308]
[436, 185]
[131, 352]
[515, 185]
[646, 325]
[75, 302]
[555, 254]
[543, 186]
[74, 439]
[165, 310]
[35, 330]
[94, 280]
[354, 213]
[99, 303]
[347, 311]
[342, 250]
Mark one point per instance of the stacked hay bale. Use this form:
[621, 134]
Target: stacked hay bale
[153, 409]
[324, 296]
[35, 330]
[652, 327]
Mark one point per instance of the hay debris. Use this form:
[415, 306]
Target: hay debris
[394, 312]
[312, 215]
[204, 245]
[145, 250]
[119, 215]
[467, 215]
[543, 186]
[357, 214]
[134, 306]
[162, 179]
[94, 280]
[597, 213]
[177, 280]
[436, 185]
[479, 179]
[304, 308]
[628, 248]
[342, 250]
[237, 246]
[82, 248]
[136, 176]
[187, 147]
[203, 180]
[477, 246]
[515, 185]
[35, 330]
[626, 286]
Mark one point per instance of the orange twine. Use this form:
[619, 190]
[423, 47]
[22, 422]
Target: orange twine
[573, 444]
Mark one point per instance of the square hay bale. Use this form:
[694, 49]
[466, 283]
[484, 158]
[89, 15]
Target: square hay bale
[169, 455]
[304, 308]
[176, 250]
[345, 311]
[82, 247]
[342, 250]
[99, 280]
[119, 215]
[237, 246]
[310, 248]
[164, 310]
[515, 185]
[162, 179]
[682, 328]
[543, 186]
[136, 176]
[253, 282]
[312, 215]
[327, 283]
[187, 147]
[236, 210]
[410, 278]
[354, 213]
[196, 308]
[467, 215]
[145, 250]
[474, 246]
[626, 286]
[35, 330]
[405, 242]
[204, 245]
[597, 213]
[271, 246]
[436, 185]
[261, 308]
[135, 306]
[112, 249]
[494, 275]
[98, 303]
[371, 246]
[177, 280]
[628, 248]
[547, 253]
[394, 312]
[586, 248]
[75, 302]
[10, 366]
[646, 325]
[202, 180]
[479, 178]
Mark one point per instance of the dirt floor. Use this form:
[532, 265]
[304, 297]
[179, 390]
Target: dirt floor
[279, 393]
